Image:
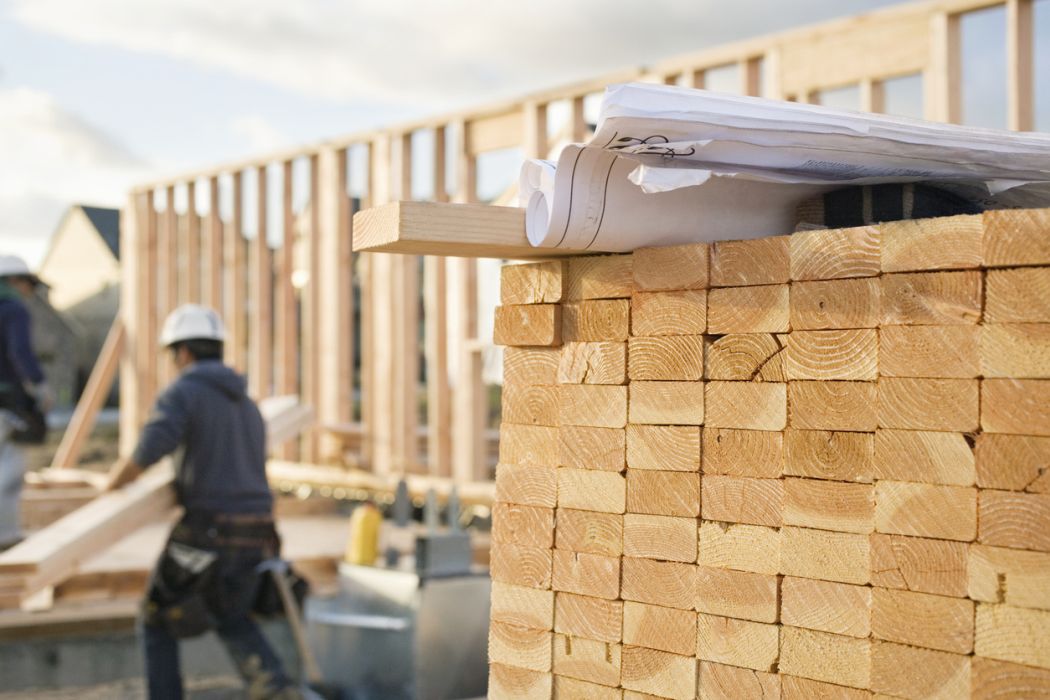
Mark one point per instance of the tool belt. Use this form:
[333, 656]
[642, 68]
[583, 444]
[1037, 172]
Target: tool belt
[207, 571]
[28, 423]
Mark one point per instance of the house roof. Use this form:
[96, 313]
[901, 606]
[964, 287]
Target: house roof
[107, 223]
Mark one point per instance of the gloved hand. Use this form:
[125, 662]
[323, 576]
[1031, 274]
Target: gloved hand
[45, 397]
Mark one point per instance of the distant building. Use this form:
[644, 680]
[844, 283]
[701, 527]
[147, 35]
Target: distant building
[82, 269]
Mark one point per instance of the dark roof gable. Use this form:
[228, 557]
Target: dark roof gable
[107, 223]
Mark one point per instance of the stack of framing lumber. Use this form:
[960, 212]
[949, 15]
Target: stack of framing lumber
[800, 466]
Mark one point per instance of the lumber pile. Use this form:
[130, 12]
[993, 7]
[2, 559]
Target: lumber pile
[802, 466]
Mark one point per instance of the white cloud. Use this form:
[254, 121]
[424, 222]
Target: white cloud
[51, 159]
[414, 50]
[258, 134]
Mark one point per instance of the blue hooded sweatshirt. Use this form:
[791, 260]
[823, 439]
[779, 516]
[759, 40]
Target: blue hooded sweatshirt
[207, 413]
[18, 364]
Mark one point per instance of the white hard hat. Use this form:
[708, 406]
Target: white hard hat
[190, 322]
[14, 266]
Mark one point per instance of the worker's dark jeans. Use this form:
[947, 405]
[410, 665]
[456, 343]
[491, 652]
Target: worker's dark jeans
[230, 594]
[251, 653]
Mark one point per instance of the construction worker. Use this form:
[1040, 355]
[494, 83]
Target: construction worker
[24, 395]
[207, 576]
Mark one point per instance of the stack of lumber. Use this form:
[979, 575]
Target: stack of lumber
[801, 466]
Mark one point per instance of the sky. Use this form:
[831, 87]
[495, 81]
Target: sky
[96, 95]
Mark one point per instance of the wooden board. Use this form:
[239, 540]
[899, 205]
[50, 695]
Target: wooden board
[442, 228]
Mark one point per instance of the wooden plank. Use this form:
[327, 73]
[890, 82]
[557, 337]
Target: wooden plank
[739, 547]
[741, 643]
[583, 447]
[599, 277]
[1016, 237]
[594, 405]
[286, 312]
[655, 627]
[669, 313]
[260, 330]
[439, 394]
[452, 229]
[925, 510]
[531, 324]
[587, 489]
[587, 659]
[663, 493]
[665, 358]
[923, 620]
[192, 288]
[903, 671]
[829, 505]
[929, 351]
[590, 618]
[1020, 295]
[820, 454]
[667, 583]
[665, 403]
[1020, 59]
[513, 683]
[742, 595]
[744, 357]
[833, 405]
[530, 526]
[528, 444]
[1011, 519]
[671, 267]
[722, 682]
[589, 532]
[530, 405]
[533, 283]
[1015, 406]
[1011, 576]
[931, 298]
[832, 355]
[1018, 350]
[567, 688]
[659, 537]
[521, 566]
[835, 304]
[495, 132]
[920, 565]
[825, 657]
[1013, 634]
[236, 288]
[95, 393]
[586, 574]
[763, 309]
[836, 253]
[596, 319]
[593, 363]
[828, 556]
[929, 404]
[522, 606]
[943, 99]
[663, 447]
[214, 248]
[751, 262]
[999, 679]
[530, 366]
[520, 646]
[734, 499]
[1013, 462]
[925, 457]
[746, 405]
[527, 484]
[754, 453]
[942, 243]
[658, 672]
[825, 606]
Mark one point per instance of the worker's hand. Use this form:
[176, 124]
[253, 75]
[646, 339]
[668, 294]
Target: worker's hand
[123, 471]
[45, 397]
